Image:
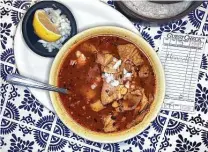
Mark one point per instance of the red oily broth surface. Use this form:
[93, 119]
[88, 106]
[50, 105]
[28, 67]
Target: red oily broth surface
[76, 78]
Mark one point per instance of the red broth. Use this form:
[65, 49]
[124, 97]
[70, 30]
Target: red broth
[82, 74]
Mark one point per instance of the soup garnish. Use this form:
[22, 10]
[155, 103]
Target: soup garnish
[111, 83]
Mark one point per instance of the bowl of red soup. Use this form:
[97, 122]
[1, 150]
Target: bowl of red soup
[115, 80]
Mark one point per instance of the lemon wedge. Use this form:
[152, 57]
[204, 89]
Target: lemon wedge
[44, 28]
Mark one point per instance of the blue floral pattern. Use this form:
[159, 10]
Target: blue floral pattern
[26, 120]
[201, 99]
[13, 92]
[148, 38]
[201, 75]
[138, 141]
[206, 77]
[8, 56]
[205, 136]
[7, 127]
[79, 147]
[138, 26]
[41, 138]
[177, 26]
[16, 16]
[5, 32]
[11, 111]
[204, 62]
[23, 4]
[196, 17]
[93, 143]
[165, 143]
[112, 147]
[87, 149]
[2, 143]
[75, 146]
[128, 150]
[194, 130]
[5, 10]
[174, 127]
[145, 34]
[149, 150]
[45, 122]
[5, 70]
[61, 129]
[3, 91]
[154, 140]
[19, 145]
[30, 103]
[56, 143]
[158, 123]
[183, 144]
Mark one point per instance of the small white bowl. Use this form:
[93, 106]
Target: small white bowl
[154, 108]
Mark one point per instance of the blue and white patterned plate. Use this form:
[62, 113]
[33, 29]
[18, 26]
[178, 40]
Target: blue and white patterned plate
[26, 125]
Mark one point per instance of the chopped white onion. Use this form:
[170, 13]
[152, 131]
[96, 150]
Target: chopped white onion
[117, 64]
[114, 83]
[109, 77]
[93, 86]
[115, 60]
[124, 71]
[128, 75]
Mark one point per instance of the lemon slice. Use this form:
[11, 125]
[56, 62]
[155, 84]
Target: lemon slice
[44, 28]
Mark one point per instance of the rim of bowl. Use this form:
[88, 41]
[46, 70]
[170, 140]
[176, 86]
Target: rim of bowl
[159, 91]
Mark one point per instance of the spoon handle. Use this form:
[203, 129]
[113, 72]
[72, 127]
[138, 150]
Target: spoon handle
[27, 82]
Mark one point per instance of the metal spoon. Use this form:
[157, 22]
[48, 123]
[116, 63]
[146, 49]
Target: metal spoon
[27, 82]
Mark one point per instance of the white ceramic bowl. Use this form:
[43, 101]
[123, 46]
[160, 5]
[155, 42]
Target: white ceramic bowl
[154, 108]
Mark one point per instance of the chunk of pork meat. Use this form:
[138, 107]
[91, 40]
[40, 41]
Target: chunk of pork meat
[104, 59]
[130, 52]
[88, 47]
[109, 68]
[144, 101]
[144, 71]
[143, 104]
[128, 65]
[107, 95]
[110, 93]
[132, 100]
[97, 106]
[109, 124]
[107, 63]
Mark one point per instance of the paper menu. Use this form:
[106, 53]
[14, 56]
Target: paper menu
[180, 55]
